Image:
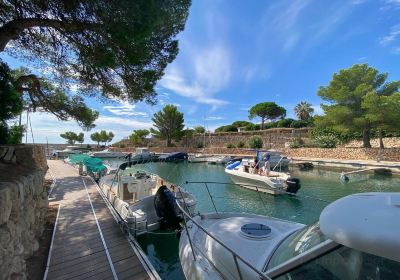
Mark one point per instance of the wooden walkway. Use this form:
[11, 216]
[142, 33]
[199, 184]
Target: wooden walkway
[87, 241]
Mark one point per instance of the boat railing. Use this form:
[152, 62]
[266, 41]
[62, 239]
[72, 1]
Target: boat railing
[236, 257]
[278, 163]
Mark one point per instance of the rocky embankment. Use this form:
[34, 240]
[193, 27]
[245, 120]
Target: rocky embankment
[23, 206]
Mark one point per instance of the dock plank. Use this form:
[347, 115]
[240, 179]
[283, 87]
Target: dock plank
[80, 250]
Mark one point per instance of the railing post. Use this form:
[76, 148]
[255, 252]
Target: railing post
[186, 228]
[212, 200]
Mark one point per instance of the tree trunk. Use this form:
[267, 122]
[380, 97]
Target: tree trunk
[168, 142]
[381, 139]
[262, 123]
[366, 138]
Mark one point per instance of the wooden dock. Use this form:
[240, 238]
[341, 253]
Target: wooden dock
[87, 241]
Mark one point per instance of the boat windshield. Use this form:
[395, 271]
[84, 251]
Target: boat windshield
[341, 263]
[297, 243]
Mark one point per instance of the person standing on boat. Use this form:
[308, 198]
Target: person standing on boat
[267, 165]
[256, 166]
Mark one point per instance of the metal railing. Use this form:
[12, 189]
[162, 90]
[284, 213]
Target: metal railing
[235, 256]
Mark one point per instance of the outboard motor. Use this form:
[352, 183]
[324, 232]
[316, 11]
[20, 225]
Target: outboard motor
[164, 203]
[293, 185]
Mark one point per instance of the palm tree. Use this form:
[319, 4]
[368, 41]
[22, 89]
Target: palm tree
[303, 110]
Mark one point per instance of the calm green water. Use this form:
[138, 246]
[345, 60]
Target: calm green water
[319, 187]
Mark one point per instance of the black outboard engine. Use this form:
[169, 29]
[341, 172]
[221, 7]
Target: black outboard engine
[164, 203]
[293, 185]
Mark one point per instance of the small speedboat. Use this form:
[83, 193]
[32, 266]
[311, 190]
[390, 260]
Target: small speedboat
[145, 201]
[107, 153]
[219, 159]
[356, 237]
[271, 182]
[198, 158]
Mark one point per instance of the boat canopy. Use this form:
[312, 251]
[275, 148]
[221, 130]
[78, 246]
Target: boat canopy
[92, 164]
[367, 222]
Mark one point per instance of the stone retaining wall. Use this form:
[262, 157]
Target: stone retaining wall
[390, 154]
[273, 138]
[23, 206]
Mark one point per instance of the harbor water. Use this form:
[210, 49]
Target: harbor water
[319, 188]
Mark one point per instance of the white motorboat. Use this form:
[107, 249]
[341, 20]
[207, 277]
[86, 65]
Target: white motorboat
[219, 159]
[271, 182]
[144, 201]
[108, 154]
[70, 150]
[198, 158]
[344, 244]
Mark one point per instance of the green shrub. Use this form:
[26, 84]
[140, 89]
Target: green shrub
[122, 146]
[326, 141]
[226, 128]
[300, 124]
[255, 142]
[297, 143]
[250, 127]
[284, 123]
[230, 146]
[268, 125]
[199, 145]
[341, 136]
[241, 144]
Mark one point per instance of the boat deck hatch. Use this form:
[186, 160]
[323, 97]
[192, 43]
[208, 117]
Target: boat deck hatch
[256, 230]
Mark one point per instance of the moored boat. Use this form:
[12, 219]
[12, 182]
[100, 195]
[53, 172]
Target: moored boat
[198, 158]
[107, 153]
[70, 150]
[219, 159]
[144, 201]
[173, 157]
[272, 182]
[343, 244]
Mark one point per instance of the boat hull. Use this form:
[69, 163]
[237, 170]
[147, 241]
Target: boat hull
[214, 261]
[270, 185]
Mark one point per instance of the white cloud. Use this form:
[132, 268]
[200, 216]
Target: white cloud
[213, 118]
[46, 125]
[124, 109]
[391, 4]
[317, 109]
[105, 121]
[392, 36]
[396, 50]
[206, 74]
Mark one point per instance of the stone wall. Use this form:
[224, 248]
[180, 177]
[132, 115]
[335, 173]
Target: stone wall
[272, 138]
[23, 206]
[389, 154]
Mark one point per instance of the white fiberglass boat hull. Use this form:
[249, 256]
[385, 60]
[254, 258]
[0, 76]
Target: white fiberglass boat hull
[272, 184]
[196, 159]
[215, 262]
[138, 208]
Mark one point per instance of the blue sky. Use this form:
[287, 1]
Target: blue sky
[234, 54]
